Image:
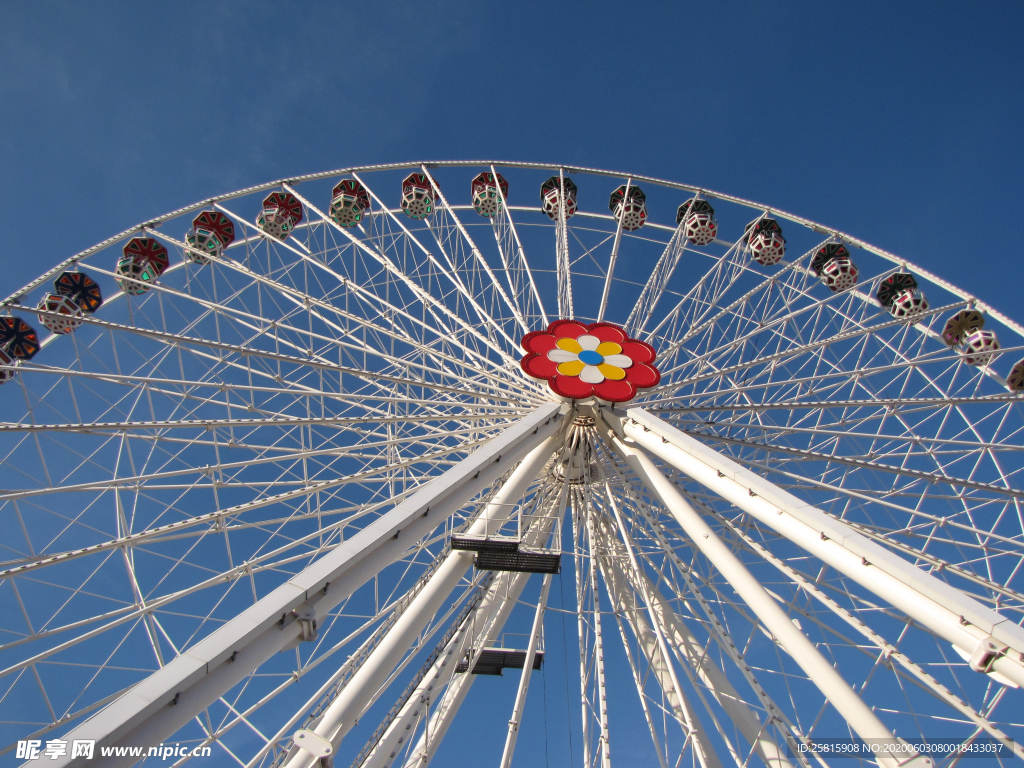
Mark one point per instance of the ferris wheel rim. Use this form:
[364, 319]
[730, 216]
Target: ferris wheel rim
[148, 227]
[13, 298]
[492, 164]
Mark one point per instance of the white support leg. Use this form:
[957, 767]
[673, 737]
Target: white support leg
[652, 646]
[602, 691]
[154, 709]
[506, 591]
[396, 734]
[524, 680]
[508, 588]
[828, 680]
[993, 642]
[366, 683]
[691, 654]
[690, 651]
[638, 681]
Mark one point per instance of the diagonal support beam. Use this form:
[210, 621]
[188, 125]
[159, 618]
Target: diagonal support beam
[524, 680]
[396, 733]
[670, 629]
[692, 653]
[154, 709]
[587, 511]
[613, 558]
[368, 682]
[491, 618]
[509, 588]
[847, 703]
[993, 642]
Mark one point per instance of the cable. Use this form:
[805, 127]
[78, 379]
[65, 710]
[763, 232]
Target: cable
[544, 681]
[565, 666]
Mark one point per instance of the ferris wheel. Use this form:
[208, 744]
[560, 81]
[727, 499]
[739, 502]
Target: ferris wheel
[289, 474]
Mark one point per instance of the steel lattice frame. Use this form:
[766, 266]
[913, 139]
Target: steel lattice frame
[293, 431]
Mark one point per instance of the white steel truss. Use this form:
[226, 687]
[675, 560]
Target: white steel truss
[812, 528]
[289, 614]
[790, 638]
[995, 644]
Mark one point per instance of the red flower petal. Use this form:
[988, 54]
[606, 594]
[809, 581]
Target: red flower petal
[638, 351]
[571, 386]
[567, 329]
[539, 367]
[607, 332]
[642, 375]
[615, 391]
[538, 342]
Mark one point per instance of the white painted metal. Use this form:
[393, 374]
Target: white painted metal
[582, 628]
[417, 706]
[508, 588]
[197, 677]
[320, 309]
[606, 291]
[389, 615]
[366, 293]
[696, 655]
[366, 684]
[639, 681]
[690, 651]
[507, 592]
[655, 286]
[517, 265]
[890, 650]
[948, 612]
[562, 262]
[442, 268]
[860, 717]
[650, 636]
[672, 631]
[316, 746]
[601, 693]
[524, 679]
[892, 258]
[514, 308]
[390, 266]
[178, 339]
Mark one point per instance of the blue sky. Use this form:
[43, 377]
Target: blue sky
[898, 123]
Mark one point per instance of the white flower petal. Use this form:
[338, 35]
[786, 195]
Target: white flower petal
[589, 343]
[591, 374]
[561, 356]
[620, 361]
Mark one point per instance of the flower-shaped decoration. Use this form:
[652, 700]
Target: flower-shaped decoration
[596, 360]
